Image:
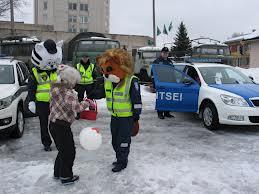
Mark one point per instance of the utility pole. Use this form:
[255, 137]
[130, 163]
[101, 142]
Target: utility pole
[12, 17]
[154, 22]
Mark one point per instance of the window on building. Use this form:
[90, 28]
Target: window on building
[72, 28]
[72, 6]
[83, 7]
[45, 5]
[83, 29]
[83, 19]
[72, 18]
[45, 19]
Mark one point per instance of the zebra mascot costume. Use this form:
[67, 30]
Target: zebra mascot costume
[46, 56]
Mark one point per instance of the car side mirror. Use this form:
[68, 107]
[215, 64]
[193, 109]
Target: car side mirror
[25, 82]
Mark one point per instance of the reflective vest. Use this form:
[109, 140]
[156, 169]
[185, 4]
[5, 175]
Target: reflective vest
[118, 98]
[43, 87]
[86, 75]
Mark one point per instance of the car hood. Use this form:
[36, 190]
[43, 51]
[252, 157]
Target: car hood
[7, 90]
[244, 90]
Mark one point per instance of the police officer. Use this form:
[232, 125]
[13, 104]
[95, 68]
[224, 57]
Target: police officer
[164, 60]
[39, 87]
[88, 74]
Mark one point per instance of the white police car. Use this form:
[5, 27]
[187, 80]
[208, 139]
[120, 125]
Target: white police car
[219, 93]
[13, 92]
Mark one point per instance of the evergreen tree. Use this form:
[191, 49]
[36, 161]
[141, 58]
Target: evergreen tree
[182, 42]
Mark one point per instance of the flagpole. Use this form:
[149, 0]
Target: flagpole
[154, 23]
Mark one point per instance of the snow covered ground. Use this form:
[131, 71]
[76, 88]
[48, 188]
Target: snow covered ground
[171, 156]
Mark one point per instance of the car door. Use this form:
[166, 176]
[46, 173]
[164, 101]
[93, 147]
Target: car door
[175, 90]
[23, 76]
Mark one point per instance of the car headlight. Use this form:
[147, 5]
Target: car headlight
[233, 101]
[5, 102]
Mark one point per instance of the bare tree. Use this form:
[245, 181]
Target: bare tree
[5, 6]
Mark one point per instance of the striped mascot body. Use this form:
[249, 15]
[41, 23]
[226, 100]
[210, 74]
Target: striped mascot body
[46, 56]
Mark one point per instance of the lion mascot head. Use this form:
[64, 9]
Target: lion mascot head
[47, 55]
[116, 64]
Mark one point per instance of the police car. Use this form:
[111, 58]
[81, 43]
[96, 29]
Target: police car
[219, 93]
[13, 92]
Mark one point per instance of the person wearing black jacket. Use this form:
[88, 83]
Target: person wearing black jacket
[164, 60]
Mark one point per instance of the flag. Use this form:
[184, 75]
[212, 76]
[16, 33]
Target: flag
[165, 30]
[158, 31]
[170, 27]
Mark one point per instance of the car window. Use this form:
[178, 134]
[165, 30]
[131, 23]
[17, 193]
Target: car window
[223, 75]
[168, 74]
[179, 67]
[6, 74]
[191, 71]
[20, 75]
[24, 69]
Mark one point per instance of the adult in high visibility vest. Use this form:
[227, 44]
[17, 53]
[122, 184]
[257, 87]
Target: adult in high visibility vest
[123, 100]
[88, 75]
[164, 60]
[46, 56]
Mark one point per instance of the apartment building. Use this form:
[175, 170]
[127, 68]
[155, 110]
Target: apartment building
[74, 15]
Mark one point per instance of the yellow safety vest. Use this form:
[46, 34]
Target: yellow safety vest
[86, 75]
[43, 87]
[118, 98]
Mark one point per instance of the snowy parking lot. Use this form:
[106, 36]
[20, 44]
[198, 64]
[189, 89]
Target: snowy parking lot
[168, 156]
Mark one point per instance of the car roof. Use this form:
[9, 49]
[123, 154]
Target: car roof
[7, 61]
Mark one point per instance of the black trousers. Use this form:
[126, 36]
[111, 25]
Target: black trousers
[42, 109]
[63, 138]
[121, 129]
[81, 89]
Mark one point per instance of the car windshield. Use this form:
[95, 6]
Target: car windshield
[223, 75]
[6, 74]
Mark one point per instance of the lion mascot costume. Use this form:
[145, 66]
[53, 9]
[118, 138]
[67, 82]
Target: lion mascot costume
[123, 99]
[46, 56]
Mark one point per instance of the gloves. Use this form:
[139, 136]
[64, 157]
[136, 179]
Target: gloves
[135, 117]
[92, 105]
[32, 107]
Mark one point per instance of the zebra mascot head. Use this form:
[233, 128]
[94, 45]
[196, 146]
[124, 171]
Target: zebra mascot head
[47, 55]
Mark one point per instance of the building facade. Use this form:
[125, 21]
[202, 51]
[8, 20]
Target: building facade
[74, 15]
[244, 50]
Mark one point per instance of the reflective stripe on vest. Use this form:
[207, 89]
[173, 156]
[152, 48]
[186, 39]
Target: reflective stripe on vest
[86, 75]
[118, 98]
[43, 87]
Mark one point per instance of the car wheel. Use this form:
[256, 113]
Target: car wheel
[210, 117]
[19, 126]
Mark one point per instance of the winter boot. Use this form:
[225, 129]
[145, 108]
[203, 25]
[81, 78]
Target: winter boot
[115, 163]
[70, 180]
[119, 167]
[160, 115]
[168, 115]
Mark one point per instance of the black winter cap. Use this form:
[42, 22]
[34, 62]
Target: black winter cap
[165, 49]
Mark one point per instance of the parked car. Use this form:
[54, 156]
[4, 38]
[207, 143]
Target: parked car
[219, 93]
[13, 92]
